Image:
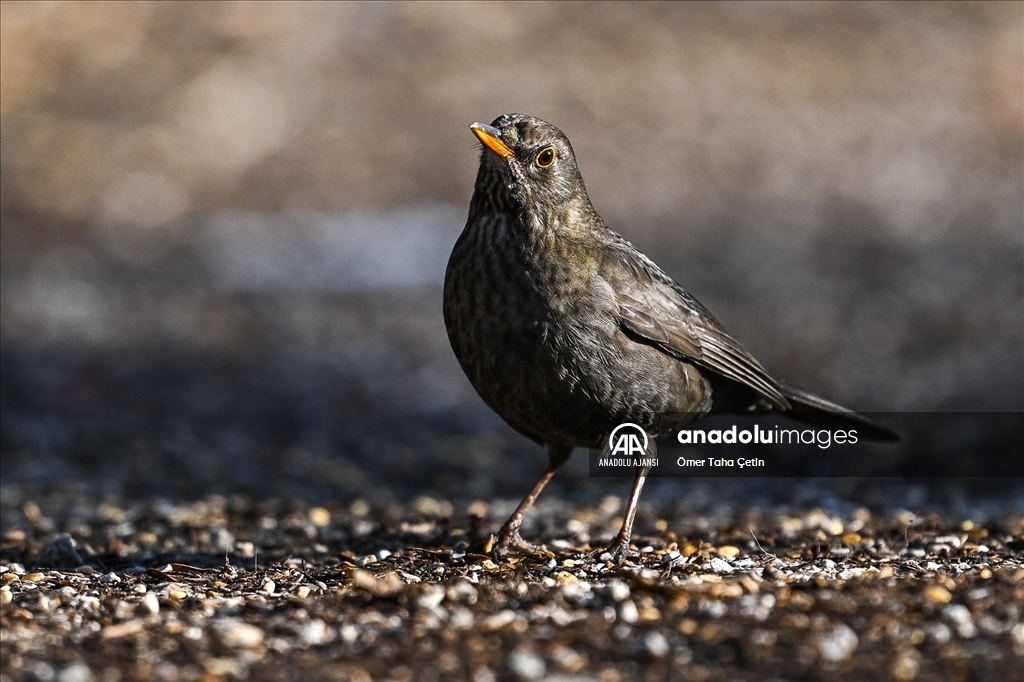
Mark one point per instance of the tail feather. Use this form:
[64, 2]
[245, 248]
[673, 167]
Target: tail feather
[817, 411]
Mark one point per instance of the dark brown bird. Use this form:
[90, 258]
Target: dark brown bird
[566, 330]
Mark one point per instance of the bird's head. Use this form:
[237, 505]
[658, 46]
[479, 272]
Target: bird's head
[528, 165]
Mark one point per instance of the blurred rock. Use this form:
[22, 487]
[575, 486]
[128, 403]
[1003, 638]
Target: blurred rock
[60, 552]
[838, 644]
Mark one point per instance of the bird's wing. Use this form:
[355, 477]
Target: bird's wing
[654, 307]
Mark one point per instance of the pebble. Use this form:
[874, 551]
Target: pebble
[938, 632]
[150, 604]
[461, 618]
[222, 539]
[906, 665]
[569, 660]
[349, 633]
[565, 578]
[431, 597]
[618, 590]
[268, 587]
[832, 526]
[628, 612]
[499, 620]
[656, 644]
[76, 672]
[960, 616]
[236, 634]
[838, 644]
[526, 665]
[957, 614]
[315, 633]
[938, 594]
[712, 607]
[462, 591]
[320, 517]
[60, 552]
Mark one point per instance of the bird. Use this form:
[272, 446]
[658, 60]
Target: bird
[566, 330]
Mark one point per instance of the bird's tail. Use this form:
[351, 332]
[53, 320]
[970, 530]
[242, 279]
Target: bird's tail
[816, 411]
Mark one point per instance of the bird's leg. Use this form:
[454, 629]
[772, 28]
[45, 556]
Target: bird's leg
[620, 548]
[509, 536]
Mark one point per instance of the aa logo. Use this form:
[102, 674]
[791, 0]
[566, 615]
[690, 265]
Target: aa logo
[628, 440]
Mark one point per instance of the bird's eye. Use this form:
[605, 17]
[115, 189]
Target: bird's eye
[545, 158]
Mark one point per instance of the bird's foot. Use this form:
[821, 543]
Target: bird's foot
[619, 550]
[510, 539]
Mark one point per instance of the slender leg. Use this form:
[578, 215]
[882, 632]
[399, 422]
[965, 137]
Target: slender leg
[509, 535]
[620, 548]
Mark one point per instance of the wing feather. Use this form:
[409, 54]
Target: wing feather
[654, 307]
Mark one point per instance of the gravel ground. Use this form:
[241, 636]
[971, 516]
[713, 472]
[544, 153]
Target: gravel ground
[228, 588]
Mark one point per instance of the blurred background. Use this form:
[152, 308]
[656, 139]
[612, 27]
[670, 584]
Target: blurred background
[225, 225]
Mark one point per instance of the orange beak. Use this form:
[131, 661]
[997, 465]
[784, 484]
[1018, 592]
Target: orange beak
[489, 136]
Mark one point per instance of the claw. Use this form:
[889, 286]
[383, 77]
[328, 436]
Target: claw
[621, 551]
[511, 539]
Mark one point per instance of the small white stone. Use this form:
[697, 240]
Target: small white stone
[315, 632]
[236, 634]
[656, 644]
[618, 590]
[461, 618]
[838, 644]
[76, 672]
[150, 604]
[349, 633]
[628, 612]
[527, 665]
[431, 597]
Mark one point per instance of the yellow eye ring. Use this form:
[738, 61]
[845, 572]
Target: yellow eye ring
[545, 157]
